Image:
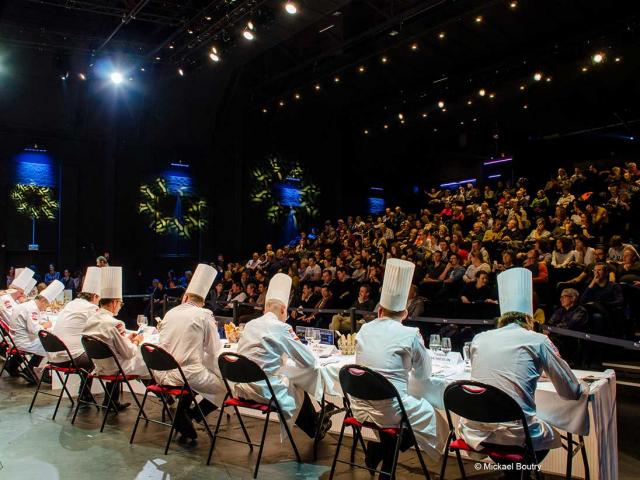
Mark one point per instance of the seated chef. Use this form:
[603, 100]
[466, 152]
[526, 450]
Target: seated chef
[15, 294]
[111, 331]
[395, 351]
[268, 340]
[513, 357]
[189, 333]
[27, 321]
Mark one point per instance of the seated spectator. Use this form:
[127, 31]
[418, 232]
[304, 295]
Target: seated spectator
[479, 291]
[570, 315]
[539, 233]
[254, 263]
[628, 271]
[566, 198]
[616, 248]
[584, 254]
[359, 272]
[540, 204]
[605, 297]
[563, 256]
[474, 267]
[508, 259]
[51, 275]
[415, 303]
[539, 271]
[321, 320]
[67, 280]
[344, 289]
[313, 272]
[478, 249]
[342, 322]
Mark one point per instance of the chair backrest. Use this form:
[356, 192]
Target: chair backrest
[51, 343]
[96, 349]
[480, 402]
[239, 369]
[365, 384]
[157, 358]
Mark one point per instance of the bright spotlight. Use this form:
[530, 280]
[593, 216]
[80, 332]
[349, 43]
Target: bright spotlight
[82, 76]
[598, 57]
[116, 77]
[537, 76]
[441, 104]
[181, 72]
[248, 34]
[214, 57]
[291, 8]
[482, 92]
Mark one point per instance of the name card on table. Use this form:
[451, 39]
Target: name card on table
[327, 337]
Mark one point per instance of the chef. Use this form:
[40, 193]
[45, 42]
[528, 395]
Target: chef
[71, 322]
[397, 352]
[111, 331]
[513, 357]
[27, 320]
[189, 333]
[268, 341]
[15, 293]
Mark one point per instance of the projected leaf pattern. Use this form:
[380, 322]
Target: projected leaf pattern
[34, 201]
[275, 171]
[156, 206]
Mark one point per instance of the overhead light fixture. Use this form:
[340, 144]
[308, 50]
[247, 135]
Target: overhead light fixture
[414, 46]
[291, 8]
[116, 78]
[482, 92]
[264, 110]
[522, 87]
[213, 55]
[317, 87]
[142, 69]
[366, 132]
[537, 76]
[82, 76]
[441, 35]
[384, 59]
[248, 34]
[64, 76]
[441, 104]
[618, 59]
[181, 72]
[361, 69]
[385, 126]
[424, 115]
[492, 95]
[479, 19]
[281, 103]
[548, 79]
[584, 69]
[513, 4]
[250, 25]
[158, 58]
[393, 33]
[207, 18]
[525, 106]
[190, 32]
[297, 96]
[598, 57]
[469, 102]
[171, 47]
[400, 116]
[336, 79]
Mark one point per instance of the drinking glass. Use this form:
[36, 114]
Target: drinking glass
[466, 354]
[310, 336]
[142, 321]
[446, 345]
[434, 344]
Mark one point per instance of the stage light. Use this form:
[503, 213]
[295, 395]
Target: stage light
[548, 79]
[296, 96]
[317, 87]
[618, 59]
[384, 59]
[361, 69]
[181, 72]
[142, 69]
[82, 76]
[171, 47]
[482, 92]
[442, 35]
[479, 19]
[492, 95]
[158, 58]
[264, 110]
[414, 46]
[444, 110]
[537, 76]
[336, 79]
[385, 126]
[366, 132]
[64, 76]
[513, 4]
[522, 87]
[475, 119]
[250, 25]
[598, 57]
[441, 104]
[584, 69]
[469, 102]
[281, 103]
[400, 116]
[526, 107]
[207, 18]
[291, 8]
[248, 34]
[424, 115]
[461, 122]
[116, 77]
[190, 32]
[214, 57]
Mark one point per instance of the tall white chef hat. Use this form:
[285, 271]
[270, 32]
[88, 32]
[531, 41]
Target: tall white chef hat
[111, 282]
[23, 275]
[30, 286]
[52, 292]
[92, 281]
[202, 280]
[279, 288]
[515, 290]
[398, 275]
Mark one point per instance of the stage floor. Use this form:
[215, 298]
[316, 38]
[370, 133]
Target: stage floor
[32, 446]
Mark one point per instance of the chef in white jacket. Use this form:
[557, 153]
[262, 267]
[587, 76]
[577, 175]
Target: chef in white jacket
[71, 322]
[269, 341]
[512, 358]
[27, 320]
[189, 333]
[15, 294]
[397, 352]
[111, 331]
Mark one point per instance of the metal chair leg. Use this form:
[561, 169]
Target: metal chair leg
[264, 434]
[135, 426]
[354, 444]
[64, 389]
[335, 457]
[288, 430]
[585, 461]
[244, 429]
[83, 384]
[445, 455]
[425, 470]
[461, 465]
[215, 433]
[135, 398]
[396, 453]
[569, 455]
[109, 393]
[173, 423]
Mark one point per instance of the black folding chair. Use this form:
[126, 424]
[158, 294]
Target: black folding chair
[239, 369]
[12, 351]
[159, 360]
[484, 403]
[98, 350]
[52, 344]
[362, 383]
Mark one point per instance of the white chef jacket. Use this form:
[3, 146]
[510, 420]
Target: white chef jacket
[397, 351]
[269, 342]
[70, 327]
[512, 358]
[103, 326]
[25, 325]
[190, 334]
[7, 304]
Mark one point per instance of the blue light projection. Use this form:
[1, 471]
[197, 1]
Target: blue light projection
[288, 195]
[35, 168]
[376, 205]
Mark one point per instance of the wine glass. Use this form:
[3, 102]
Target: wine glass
[310, 337]
[142, 322]
[434, 344]
[446, 345]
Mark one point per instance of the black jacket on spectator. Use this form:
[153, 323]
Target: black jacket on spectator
[575, 318]
[609, 296]
[478, 295]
